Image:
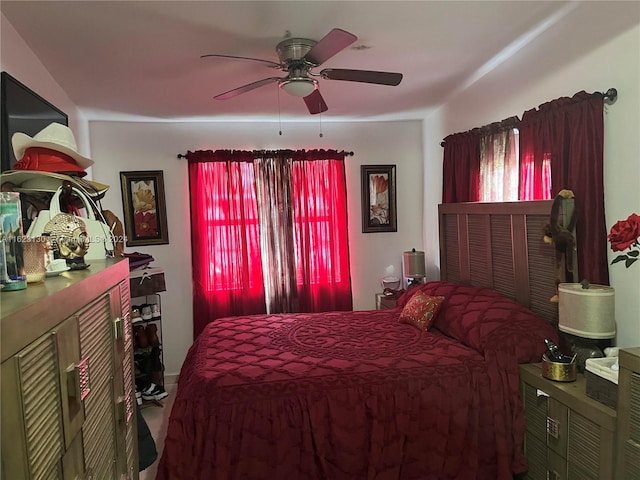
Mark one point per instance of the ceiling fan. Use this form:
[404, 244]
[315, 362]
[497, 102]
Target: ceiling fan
[298, 56]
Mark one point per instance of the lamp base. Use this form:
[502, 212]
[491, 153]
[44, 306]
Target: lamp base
[584, 348]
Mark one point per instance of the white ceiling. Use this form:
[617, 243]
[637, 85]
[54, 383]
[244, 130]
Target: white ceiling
[127, 59]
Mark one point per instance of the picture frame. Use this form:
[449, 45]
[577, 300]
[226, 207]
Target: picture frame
[379, 211]
[143, 202]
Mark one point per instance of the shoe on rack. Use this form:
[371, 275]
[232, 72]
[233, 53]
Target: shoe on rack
[146, 312]
[152, 335]
[154, 360]
[155, 310]
[135, 314]
[154, 392]
[140, 339]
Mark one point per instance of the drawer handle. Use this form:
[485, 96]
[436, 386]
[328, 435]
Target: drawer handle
[553, 427]
[78, 381]
[118, 326]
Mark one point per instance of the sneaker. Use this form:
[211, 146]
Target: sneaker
[146, 312]
[155, 310]
[154, 392]
[149, 389]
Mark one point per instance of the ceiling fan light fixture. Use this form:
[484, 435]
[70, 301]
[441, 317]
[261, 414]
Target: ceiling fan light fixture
[299, 87]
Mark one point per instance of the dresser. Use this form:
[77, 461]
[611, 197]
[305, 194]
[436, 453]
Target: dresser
[68, 400]
[568, 436]
[628, 461]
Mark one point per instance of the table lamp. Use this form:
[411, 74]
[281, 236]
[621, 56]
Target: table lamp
[413, 267]
[586, 312]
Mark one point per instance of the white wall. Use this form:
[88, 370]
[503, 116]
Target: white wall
[614, 64]
[117, 146]
[17, 59]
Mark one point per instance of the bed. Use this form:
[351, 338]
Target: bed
[361, 395]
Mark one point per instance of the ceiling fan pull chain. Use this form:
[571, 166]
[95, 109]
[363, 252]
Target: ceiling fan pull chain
[279, 120]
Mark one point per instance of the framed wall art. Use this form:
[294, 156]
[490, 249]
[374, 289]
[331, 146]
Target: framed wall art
[379, 210]
[145, 214]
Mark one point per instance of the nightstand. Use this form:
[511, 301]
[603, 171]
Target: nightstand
[384, 302]
[629, 414]
[568, 435]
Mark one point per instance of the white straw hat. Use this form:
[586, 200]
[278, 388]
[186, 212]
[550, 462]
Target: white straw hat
[56, 137]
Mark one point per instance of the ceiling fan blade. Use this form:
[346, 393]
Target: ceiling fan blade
[268, 62]
[332, 43]
[246, 88]
[364, 76]
[315, 102]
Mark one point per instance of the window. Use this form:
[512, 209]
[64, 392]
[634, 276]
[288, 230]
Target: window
[269, 234]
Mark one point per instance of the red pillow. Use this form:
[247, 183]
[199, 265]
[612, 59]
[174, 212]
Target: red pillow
[421, 310]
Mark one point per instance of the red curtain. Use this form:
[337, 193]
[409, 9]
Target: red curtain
[226, 233]
[569, 133]
[320, 230]
[225, 239]
[461, 168]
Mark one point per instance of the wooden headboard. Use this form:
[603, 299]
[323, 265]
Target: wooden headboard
[500, 246]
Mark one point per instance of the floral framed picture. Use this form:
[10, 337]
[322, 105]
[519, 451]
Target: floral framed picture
[379, 210]
[145, 214]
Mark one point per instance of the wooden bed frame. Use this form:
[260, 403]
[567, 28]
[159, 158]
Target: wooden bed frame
[500, 246]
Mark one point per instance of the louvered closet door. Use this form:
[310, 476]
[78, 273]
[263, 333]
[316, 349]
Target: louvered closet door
[98, 431]
[32, 443]
[127, 439]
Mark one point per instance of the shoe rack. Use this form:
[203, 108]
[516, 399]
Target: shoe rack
[147, 340]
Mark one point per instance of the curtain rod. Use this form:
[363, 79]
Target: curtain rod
[610, 96]
[184, 155]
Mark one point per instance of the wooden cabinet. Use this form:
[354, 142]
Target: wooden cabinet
[568, 436]
[68, 402]
[628, 461]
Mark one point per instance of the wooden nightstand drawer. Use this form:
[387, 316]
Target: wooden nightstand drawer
[557, 427]
[631, 459]
[557, 466]
[536, 406]
[536, 452]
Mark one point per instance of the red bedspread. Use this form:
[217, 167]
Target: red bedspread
[341, 395]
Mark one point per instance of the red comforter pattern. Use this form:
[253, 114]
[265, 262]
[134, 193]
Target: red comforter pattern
[350, 395]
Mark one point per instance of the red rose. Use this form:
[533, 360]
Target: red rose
[625, 233]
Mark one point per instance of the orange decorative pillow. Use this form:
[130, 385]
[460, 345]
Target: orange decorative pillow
[421, 310]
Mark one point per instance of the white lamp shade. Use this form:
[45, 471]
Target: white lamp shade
[299, 87]
[413, 264]
[587, 312]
